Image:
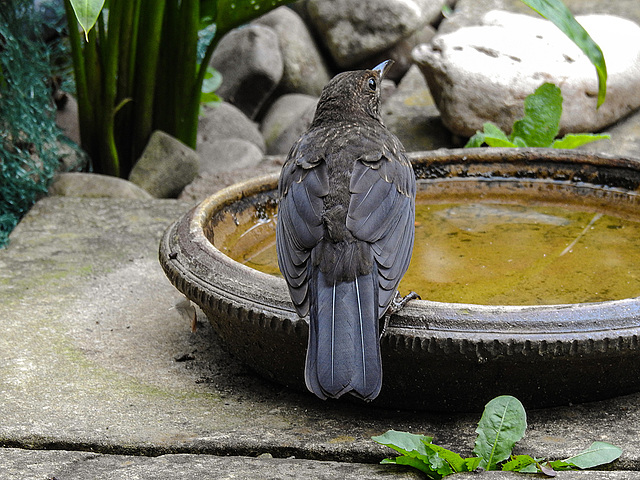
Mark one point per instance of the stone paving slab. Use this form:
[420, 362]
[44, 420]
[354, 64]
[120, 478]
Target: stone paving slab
[65, 465]
[94, 356]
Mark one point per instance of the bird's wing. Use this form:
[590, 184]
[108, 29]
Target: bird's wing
[303, 184]
[382, 212]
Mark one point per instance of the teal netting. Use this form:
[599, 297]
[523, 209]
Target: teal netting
[28, 135]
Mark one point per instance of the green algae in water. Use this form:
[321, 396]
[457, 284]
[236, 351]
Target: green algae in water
[493, 253]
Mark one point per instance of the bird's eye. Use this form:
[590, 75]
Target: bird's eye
[372, 84]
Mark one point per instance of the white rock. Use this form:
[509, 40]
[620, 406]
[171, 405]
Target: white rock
[483, 73]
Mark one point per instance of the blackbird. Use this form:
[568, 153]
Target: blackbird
[345, 232]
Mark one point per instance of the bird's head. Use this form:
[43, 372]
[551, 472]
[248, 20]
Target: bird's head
[352, 94]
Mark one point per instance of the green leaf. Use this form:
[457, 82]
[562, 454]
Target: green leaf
[476, 140]
[403, 442]
[492, 135]
[233, 13]
[415, 463]
[503, 423]
[559, 465]
[518, 142]
[472, 463]
[541, 122]
[495, 137]
[520, 462]
[559, 14]
[212, 80]
[457, 463]
[416, 452]
[208, 12]
[87, 12]
[573, 140]
[598, 453]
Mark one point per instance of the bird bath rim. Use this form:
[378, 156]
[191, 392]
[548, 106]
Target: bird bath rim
[499, 344]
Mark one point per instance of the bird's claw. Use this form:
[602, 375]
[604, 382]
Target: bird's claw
[398, 302]
[395, 306]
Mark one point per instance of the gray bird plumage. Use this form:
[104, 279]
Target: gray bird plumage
[345, 232]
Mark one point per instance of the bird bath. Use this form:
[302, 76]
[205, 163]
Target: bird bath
[436, 355]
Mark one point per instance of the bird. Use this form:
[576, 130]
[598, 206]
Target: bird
[345, 232]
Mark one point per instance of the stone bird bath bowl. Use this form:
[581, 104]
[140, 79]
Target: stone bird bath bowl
[436, 356]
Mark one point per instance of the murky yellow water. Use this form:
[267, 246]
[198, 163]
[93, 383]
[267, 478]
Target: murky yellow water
[490, 252]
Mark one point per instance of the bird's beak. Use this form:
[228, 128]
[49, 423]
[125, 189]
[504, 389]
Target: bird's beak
[383, 68]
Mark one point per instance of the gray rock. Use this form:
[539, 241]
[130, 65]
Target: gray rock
[250, 62]
[72, 157]
[67, 119]
[410, 113]
[207, 183]
[400, 53]
[282, 144]
[93, 185]
[624, 141]
[229, 154]
[304, 68]
[289, 113]
[165, 167]
[222, 121]
[483, 73]
[353, 30]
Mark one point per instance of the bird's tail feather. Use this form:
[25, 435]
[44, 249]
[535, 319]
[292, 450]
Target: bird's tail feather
[344, 349]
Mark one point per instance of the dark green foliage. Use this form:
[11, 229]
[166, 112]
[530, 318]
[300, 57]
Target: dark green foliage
[503, 423]
[538, 127]
[29, 153]
[140, 67]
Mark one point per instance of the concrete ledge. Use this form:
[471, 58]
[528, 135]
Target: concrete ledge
[94, 356]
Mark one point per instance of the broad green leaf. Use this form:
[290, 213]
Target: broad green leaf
[503, 423]
[415, 448]
[415, 463]
[559, 14]
[472, 463]
[457, 463]
[233, 13]
[542, 111]
[208, 12]
[520, 462]
[518, 142]
[492, 135]
[559, 465]
[87, 12]
[475, 141]
[495, 137]
[498, 142]
[598, 453]
[573, 140]
[403, 442]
